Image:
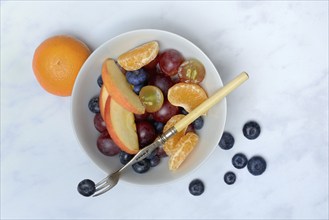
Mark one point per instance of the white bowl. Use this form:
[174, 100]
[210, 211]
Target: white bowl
[86, 87]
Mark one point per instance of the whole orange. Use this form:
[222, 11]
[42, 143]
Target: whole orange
[57, 61]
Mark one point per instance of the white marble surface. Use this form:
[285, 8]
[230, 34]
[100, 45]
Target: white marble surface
[283, 46]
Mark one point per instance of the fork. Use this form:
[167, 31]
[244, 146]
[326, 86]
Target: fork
[111, 180]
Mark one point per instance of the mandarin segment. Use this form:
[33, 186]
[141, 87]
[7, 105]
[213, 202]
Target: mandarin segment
[140, 56]
[184, 146]
[170, 145]
[186, 95]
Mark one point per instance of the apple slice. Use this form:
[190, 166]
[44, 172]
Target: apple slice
[121, 126]
[103, 95]
[119, 89]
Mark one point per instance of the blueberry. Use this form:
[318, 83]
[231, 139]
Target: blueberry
[86, 187]
[100, 81]
[256, 165]
[229, 178]
[198, 123]
[196, 187]
[137, 88]
[227, 141]
[154, 161]
[136, 77]
[158, 126]
[142, 166]
[93, 105]
[125, 157]
[239, 161]
[251, 130]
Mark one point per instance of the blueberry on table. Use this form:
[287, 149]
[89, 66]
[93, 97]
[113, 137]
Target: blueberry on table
[229, 178]
[251, 130]
[227, 141]
[256, 165]
[124, 157]
[93, 105]
[136, 77]
[198, 123]
[196, 187]
[86, 187]
[100, 81]
[239, 160]
[142, 166]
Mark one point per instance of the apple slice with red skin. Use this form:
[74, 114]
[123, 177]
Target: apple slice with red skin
[121, 126]
[103, 95]
[119, 89]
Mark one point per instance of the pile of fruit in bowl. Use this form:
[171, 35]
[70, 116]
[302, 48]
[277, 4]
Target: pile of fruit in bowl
[131, 89]
[142, 94]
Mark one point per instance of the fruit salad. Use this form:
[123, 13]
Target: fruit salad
[144, 92]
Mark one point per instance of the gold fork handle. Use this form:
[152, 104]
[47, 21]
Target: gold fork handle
[211, 101]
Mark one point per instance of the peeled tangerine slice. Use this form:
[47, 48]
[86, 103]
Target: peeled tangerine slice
[170, 145]
[185, 146]
[140, 56]
[186, 95]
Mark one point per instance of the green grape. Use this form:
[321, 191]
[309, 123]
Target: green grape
[151, 97]
[191, 71]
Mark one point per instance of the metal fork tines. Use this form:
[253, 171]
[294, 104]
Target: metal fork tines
[107, 183]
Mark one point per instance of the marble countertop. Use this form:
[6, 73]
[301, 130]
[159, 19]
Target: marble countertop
[282, 45]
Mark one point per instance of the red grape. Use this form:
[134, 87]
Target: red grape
[99, 123]
[141, 117]
[163, 82]
[190, 128]
[106, 145]
[161, 153]
[145, 132]
[166, 112]
[169, 61]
